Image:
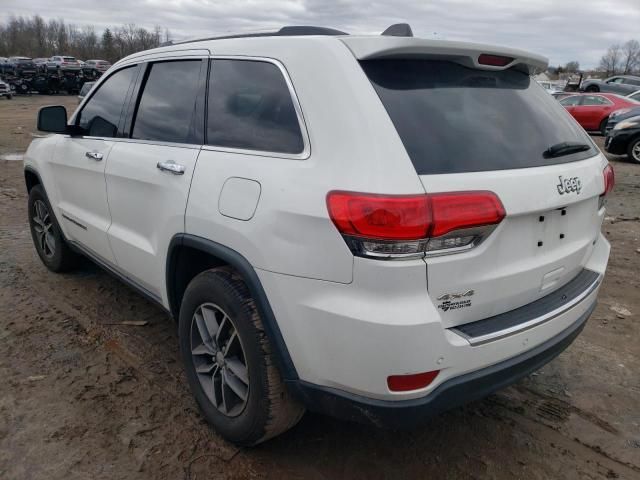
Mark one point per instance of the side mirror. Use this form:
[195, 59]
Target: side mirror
[52, 119]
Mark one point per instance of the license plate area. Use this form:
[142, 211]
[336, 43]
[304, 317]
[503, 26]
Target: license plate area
[553, 228]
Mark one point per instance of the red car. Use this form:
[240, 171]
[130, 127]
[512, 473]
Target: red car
[592, 110]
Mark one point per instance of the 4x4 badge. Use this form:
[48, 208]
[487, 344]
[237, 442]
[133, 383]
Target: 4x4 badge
[568, 185]
[453, 296]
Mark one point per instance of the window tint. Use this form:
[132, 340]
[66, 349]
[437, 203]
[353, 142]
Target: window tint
[616, 80]
[571, 101]
[101, 114]
[167, 110]
[595, 100]
[454, 119]
[250, 107]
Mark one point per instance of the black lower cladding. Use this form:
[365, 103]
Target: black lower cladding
[452, 393]
[581, 284]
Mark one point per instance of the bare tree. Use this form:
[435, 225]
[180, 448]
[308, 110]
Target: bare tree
[610, 61]
[630, 56]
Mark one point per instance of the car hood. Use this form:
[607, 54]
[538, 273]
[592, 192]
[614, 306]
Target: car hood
[632, 112]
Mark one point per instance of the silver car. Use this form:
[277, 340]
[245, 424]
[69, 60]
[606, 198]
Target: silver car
[622, 84]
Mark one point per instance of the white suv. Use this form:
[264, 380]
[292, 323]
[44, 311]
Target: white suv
[375, 227]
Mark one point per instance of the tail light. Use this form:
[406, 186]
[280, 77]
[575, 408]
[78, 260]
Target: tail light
[609, 182]
[409, 226]
[609, 179]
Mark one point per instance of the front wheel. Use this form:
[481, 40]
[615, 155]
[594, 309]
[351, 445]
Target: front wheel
[603, 127]
[229, 363]
[592, 88]
[46, 234]
[633, 150]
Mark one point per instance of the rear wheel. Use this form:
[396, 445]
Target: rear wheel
[229, 363]
[633, 150]
[46, 234]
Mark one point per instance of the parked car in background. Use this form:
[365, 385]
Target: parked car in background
[622, 114]
[63, 63]
[86, 88]
[551, 87]
[5, 90]
[624, 138]
[635, 95]
[4, 65]
[388, 273]
[592, 110]
[41, 64]
[98, 65]
[623, 84]
[21, 66]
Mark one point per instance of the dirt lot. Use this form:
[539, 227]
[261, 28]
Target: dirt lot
[84, 396]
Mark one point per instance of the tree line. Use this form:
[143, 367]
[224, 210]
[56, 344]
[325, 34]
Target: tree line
[34, 37]
[621, 59]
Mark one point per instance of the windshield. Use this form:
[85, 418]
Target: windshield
[454, 119]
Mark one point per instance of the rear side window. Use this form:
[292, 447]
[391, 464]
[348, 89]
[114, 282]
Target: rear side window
[571, 101]
[595, 100]
[101, 115]
[168, 105]
[454, 119]
[250, 107]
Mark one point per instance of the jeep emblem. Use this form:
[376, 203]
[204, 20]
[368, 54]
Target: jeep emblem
[568, 185]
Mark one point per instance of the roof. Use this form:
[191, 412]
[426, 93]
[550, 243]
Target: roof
[396, 42]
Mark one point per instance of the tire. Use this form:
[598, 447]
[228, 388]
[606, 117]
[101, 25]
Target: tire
[9, 97]
[52, 248]
[633, 150]
[603, 127]
[221, 296]
[592, 88]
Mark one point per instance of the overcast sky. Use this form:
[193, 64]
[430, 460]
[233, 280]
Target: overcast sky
[562, 30]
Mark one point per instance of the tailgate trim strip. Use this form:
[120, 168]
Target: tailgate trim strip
[533, 314]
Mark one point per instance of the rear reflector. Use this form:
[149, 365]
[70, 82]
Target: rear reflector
[494, 60]
[609, 179]
[405, 383]
[401, 225]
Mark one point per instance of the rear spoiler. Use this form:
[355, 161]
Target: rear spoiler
[472, 55]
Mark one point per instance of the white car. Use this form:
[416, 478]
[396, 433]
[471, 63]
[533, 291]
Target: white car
[63, 63]
[635, 95]
[375, 227]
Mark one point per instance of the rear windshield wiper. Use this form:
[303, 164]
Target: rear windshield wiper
[565, 148]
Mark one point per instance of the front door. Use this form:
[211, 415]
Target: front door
[78, 166]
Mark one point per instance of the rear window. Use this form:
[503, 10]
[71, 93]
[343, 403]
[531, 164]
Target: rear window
[69, 59]
[454, 119]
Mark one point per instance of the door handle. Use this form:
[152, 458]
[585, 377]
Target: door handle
[94, 155]
[171, 166]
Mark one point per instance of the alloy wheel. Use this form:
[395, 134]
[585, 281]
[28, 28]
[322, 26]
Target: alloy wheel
[635, 152]
[43, 226]
[219, 359]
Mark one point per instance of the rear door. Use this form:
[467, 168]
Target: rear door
[479, 130]
[149, 174]
[78, 165]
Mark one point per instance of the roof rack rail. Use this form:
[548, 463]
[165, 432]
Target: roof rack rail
[398, 30]
[292, 30]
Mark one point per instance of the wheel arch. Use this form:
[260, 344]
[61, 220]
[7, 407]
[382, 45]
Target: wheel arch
[190, 255]
[31, 178]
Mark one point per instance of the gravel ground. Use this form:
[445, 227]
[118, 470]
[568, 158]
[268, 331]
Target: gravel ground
[86, 396]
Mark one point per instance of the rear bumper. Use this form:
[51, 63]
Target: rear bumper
[452, 393]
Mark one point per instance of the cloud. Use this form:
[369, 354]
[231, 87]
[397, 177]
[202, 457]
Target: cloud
[562, 31]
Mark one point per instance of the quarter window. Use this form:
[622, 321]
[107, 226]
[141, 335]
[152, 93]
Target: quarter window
[570, 101]
[250, 107]
[101, 114]
[168, 105]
